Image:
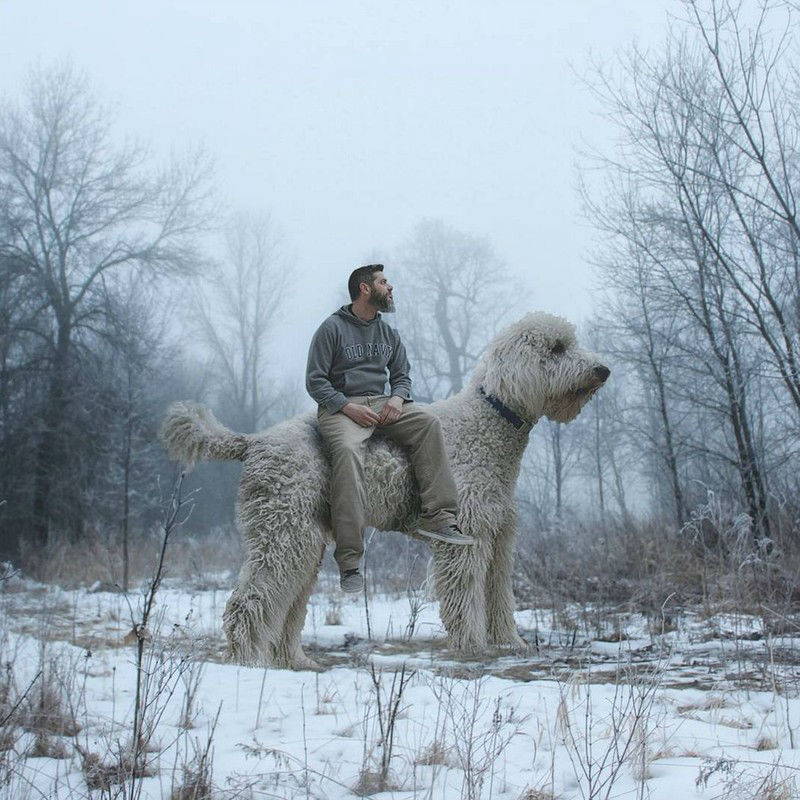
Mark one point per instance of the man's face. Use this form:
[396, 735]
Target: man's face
[380, 293]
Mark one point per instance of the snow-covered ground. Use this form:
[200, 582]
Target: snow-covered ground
[602, 705]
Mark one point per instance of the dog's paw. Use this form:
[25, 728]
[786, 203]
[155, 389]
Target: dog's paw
[513, 642]
[305, 664]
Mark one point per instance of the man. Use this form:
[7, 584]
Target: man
[348, 361]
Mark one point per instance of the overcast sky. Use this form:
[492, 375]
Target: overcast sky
[351, 121]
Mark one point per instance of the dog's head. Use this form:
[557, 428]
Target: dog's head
[536, 368]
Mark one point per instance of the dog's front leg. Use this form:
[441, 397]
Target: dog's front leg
[460, 581]
[500, 602]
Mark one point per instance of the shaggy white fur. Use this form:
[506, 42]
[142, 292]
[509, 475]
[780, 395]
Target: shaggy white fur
[534, 367]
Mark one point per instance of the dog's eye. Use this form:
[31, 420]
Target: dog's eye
[558, 348]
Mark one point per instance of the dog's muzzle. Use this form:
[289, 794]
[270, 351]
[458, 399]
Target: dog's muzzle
[599, 377]
[602, 373]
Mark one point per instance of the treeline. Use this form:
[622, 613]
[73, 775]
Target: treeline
[698, 308]
[88, 230]
[702, 263]
[104, 267]
[111, 306]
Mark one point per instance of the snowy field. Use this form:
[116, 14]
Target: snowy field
[602, 705]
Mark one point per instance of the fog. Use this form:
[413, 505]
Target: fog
[350, 122]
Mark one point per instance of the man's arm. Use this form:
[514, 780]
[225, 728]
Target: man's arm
[400, 383]
[320, 361]
[399, 369]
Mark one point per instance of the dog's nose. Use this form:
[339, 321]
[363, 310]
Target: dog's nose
[602, 373]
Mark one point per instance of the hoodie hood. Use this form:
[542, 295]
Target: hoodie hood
[345, 312]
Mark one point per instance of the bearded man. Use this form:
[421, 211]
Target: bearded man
[351, 355]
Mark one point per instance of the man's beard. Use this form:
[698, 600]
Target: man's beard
[383, 302]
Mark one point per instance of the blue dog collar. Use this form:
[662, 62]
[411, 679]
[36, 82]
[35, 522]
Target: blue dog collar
[503, 410]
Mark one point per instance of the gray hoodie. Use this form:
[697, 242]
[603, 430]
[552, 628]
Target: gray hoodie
[350, 357]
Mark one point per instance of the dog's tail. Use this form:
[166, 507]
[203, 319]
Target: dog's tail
[191, 433]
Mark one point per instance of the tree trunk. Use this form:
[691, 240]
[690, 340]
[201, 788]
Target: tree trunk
[48, 453]
[558, 466]
[453, 362]
[669, 447]
[126, 474]
[598, 461]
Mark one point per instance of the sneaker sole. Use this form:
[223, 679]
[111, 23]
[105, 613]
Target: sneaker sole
[448, 540]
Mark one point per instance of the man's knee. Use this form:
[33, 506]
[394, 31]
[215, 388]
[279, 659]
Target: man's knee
[416, 430]
[421, 416]
[430, 426]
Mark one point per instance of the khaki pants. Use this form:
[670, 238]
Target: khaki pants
[417, 429]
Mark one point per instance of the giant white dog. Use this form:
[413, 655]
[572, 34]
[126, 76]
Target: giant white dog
[533, 368]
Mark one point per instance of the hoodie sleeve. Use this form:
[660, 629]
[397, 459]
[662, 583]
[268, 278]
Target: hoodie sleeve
[320, 361]
[399, 368]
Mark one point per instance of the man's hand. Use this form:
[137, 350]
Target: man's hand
[391, 411]
[363, 415]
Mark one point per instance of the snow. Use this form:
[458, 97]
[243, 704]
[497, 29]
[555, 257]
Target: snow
[706, 709]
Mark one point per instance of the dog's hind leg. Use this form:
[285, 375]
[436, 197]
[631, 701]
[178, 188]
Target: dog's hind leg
[249, 617]
[283, 537]
[264, 616]
[290, 650]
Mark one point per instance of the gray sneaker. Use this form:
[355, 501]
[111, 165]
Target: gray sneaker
[352, 581]
[451, 534]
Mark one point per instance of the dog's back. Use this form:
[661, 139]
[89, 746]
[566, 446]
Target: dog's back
[288, 463]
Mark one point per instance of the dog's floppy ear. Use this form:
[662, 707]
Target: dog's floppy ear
[495, 366]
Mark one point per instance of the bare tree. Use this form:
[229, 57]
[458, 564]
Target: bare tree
[136, 359]
[642, 331]
[75, 209]
[608, 458]
[703, 212]
[755, 169]
[20, 394]
[457, 292]
[236, 310]
[546, 471]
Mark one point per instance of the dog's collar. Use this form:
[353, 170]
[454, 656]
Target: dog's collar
[503, 410]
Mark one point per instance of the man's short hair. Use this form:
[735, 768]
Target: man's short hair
[365, 274]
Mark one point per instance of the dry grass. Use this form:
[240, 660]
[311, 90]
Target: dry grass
[738, 724]
[748, 781]
[664, 752]
[46, 713]
[8, 738]
[46, 746]
[537, 794]
[102, 773]
[326, 702]
[373, 782]
[712, 702]
[203, 562]
[766, 743]
[435, 754]
[333, 613]
[196, 785]
[711, 564]
[773, 786]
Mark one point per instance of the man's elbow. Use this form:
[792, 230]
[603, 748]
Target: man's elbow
[312, 389]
